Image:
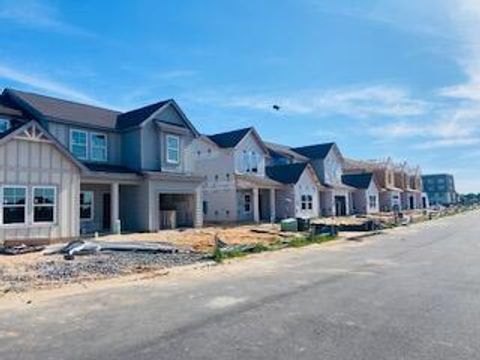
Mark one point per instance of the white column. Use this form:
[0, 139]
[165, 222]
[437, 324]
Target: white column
[256, 206]
[198, 208]
[115, 205]
[272, 206]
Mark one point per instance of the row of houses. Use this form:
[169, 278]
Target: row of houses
[68, 169]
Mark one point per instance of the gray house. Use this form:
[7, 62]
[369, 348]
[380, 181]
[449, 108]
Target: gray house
[68, 168]
[440, 189]
[300, 195]
[366, 197]
[327, 160]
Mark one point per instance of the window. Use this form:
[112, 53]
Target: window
[372, 201]
[205, 207]
[173, 149]
[98, 147]
[4, 125]
[247, 203]
[86, 205]
[307, 202]
[14, 204]
[253, 162]
[79, 144]
[44, 203]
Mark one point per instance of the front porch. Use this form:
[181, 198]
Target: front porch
[256, 199]
[336, 201]
[104, 207]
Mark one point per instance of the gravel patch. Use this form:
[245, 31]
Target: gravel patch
[54, 270]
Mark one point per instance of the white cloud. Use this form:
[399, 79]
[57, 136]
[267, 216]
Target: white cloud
[40, 82]
[37, 14]
[175, 74]
[448, 143]
[355, 102]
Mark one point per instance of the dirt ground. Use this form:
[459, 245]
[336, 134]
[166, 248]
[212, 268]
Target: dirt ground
[203, 239]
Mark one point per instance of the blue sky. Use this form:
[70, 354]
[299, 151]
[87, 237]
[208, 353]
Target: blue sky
[381, 78]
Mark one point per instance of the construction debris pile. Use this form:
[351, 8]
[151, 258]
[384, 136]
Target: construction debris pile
[89, 260]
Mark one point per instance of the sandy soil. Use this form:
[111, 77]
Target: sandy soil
[204, 239]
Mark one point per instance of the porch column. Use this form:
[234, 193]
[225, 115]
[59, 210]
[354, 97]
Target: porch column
[115, 203]
[272, 205]
[256, 205]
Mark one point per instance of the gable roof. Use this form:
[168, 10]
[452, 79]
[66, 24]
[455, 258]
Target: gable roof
[137, 116]
[284, 151]
[229, 139]
[11, 133]
[56, 109]
[319, 151]
[358, 181]
[286, 174]
[59, 109]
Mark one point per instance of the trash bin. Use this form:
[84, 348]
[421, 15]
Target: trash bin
[289, 225]
[303, 224]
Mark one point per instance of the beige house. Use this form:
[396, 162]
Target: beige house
[68, 169]
[236, 187]
[384, 173]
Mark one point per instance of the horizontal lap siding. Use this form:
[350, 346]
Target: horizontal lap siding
[29, 163]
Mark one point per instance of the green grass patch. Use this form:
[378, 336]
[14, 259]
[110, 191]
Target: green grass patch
[221, 254]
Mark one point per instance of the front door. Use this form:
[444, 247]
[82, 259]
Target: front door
[340, 206]
[106, 222]
[412, 203]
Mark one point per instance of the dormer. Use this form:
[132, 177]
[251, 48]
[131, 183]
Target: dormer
[246, 148]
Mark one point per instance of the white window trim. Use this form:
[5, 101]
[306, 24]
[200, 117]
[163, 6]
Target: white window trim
[55, 205]
[92, 134]
[92, 215]
[7, 121]
[172, 161]
[86, 145]
[24, 223]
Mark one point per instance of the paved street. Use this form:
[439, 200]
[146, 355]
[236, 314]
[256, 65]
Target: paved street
[411, 294]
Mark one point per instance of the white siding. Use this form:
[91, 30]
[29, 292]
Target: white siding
[249, 144]
[306, 186]
[29, 163]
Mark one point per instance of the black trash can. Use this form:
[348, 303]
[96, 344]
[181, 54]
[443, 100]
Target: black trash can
[303, 224]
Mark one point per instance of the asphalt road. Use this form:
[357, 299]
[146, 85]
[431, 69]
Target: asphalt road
[411, 294]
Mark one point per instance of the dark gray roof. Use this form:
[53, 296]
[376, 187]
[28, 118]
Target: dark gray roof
[137, 116]
[286, 174]
[229, 139]
[358, 181]
[102, 167]
[59, 109]
[319, 151]
[7, 107]
[276, 150]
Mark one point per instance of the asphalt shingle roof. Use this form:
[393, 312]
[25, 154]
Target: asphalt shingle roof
[358, 181]
[8, 108]
[75, 112]
[319, 151]
[286, 174]
[137, 116]
[284, 151]
[229, 139]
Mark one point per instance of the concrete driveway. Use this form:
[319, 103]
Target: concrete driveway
[411, 294]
